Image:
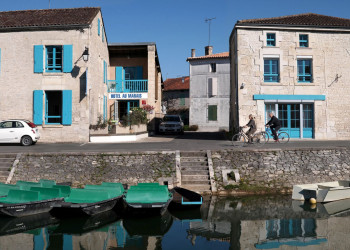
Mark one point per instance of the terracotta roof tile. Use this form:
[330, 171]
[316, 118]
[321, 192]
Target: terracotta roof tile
[218, 55]
[306, 19]
[48, 17]
[177, 84]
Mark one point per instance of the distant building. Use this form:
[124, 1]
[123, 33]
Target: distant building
[176, 97]
[297, 67]
[134, 79]
[53, 67]
[210, 90]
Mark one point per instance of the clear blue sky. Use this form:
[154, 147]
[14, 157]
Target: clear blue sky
[178, 25]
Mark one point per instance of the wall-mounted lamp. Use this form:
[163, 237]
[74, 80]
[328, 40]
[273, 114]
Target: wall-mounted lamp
[242, 85]
[86, 54]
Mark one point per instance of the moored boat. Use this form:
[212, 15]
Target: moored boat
[185, 199]
[147, 199]
[322, 192]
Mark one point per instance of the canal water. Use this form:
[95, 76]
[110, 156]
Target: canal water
[264, 222]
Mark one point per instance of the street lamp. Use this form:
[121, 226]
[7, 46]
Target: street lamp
[86, 54]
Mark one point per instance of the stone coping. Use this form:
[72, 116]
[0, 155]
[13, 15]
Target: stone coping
[137, 133]
[95, 153]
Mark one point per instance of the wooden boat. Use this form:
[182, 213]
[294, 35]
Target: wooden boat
[185, 199]
[91, 200]
[322, 192]
[147, 199]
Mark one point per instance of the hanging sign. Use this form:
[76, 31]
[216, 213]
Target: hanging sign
[128, 96]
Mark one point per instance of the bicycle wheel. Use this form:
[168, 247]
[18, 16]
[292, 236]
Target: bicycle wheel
[260, 139]
[238, 140]
[283, 137]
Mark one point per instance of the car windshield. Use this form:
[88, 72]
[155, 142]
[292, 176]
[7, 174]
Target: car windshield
[171, 119]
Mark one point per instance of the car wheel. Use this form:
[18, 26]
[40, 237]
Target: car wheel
[26, 140]
[34, 142]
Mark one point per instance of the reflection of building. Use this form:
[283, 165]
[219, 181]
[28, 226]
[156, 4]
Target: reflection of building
[134, 79]
[45, 74]
[176, 97]
[210, 90]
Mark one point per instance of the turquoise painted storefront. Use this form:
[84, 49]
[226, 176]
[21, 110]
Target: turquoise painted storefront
[296, 112]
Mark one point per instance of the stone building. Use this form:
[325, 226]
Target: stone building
[176, 97]
[53, 70]
[296, 66]
[210, 90]
[134, 79]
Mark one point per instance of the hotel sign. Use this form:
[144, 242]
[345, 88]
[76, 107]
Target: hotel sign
[128, 96]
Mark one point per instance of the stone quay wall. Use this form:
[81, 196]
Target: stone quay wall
[81, 169]
[281, 169]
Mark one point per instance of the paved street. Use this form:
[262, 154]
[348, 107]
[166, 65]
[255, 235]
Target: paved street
[190, 141]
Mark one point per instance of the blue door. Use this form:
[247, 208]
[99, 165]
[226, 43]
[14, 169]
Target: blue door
[289, 115]
[308, 120]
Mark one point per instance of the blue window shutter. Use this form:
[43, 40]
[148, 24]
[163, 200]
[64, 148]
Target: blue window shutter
[139, 72]
[119, 78]
[103, 35]
[98, 26]
[104, 72]
[38, 107]
[66, 107]
[104, 108]
[67, 58]
[38, 58]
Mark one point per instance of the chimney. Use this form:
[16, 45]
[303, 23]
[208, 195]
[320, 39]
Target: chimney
[208, 50]
[193, 52]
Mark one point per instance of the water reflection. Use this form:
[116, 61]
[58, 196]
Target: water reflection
[221, 223]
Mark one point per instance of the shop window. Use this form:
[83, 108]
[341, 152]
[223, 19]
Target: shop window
[304, 70]
[303, 40]
[212, 67]
[53, 59]
[271, 39]
[271, 70]
[212, 112]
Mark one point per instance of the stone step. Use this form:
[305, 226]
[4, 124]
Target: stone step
[184, 164]
[8, 156]
[195, 167]
[194, 159]
[195, 172]
[195, 178]
[7, 160]
[197, 188]
[193, 154]
[194, 182]
[5, 168]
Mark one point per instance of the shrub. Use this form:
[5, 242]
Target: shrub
[136, 117]
[190, 128]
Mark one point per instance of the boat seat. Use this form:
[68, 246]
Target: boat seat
[47, 193]
[26, 185]
[113, 191]
[65, 190]
[47, 183]
[148, 184]
[5, 189]
[20, 196]
[87, 196]
[327, 186]
[164, 188]
[340, 188]
[146, 196]
[113, 184]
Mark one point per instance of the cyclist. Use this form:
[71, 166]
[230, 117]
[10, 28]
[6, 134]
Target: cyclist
[252, 128]
[274, 125]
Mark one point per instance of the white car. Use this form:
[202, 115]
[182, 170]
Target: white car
[171, 123]
[19, 131]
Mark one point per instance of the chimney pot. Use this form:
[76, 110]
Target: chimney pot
[208, 50]
[193, 52]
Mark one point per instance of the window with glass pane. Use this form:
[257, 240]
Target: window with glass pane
[304, 70]
[271, 39]
[271, 69]
[283, 115]
[308, 115]
[295, 116]
[303, 40]
[268, 109]
[53, 58]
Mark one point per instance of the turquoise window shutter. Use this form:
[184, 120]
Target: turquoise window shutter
[38, 107]
[139, 72]
[104, 72]
[67, 58]
[104, 108]
[98, 26]
[67, 107]
[38, 58]
[119, 78]
[103, 35]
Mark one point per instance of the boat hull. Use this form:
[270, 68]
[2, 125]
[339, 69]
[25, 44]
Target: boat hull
[184, 199]
[29, 208]
[66, 209]
[145, 209]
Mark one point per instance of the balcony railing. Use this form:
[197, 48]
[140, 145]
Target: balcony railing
[128, 86]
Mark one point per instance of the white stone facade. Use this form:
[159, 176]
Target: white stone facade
[18, 80]
[329, 52]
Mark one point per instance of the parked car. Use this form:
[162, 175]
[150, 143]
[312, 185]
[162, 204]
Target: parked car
[19, 131]
[171, 123]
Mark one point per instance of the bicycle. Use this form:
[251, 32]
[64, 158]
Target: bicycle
[283, 136]
[241, 139]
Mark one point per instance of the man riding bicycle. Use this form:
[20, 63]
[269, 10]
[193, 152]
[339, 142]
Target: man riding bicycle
[274, 125]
